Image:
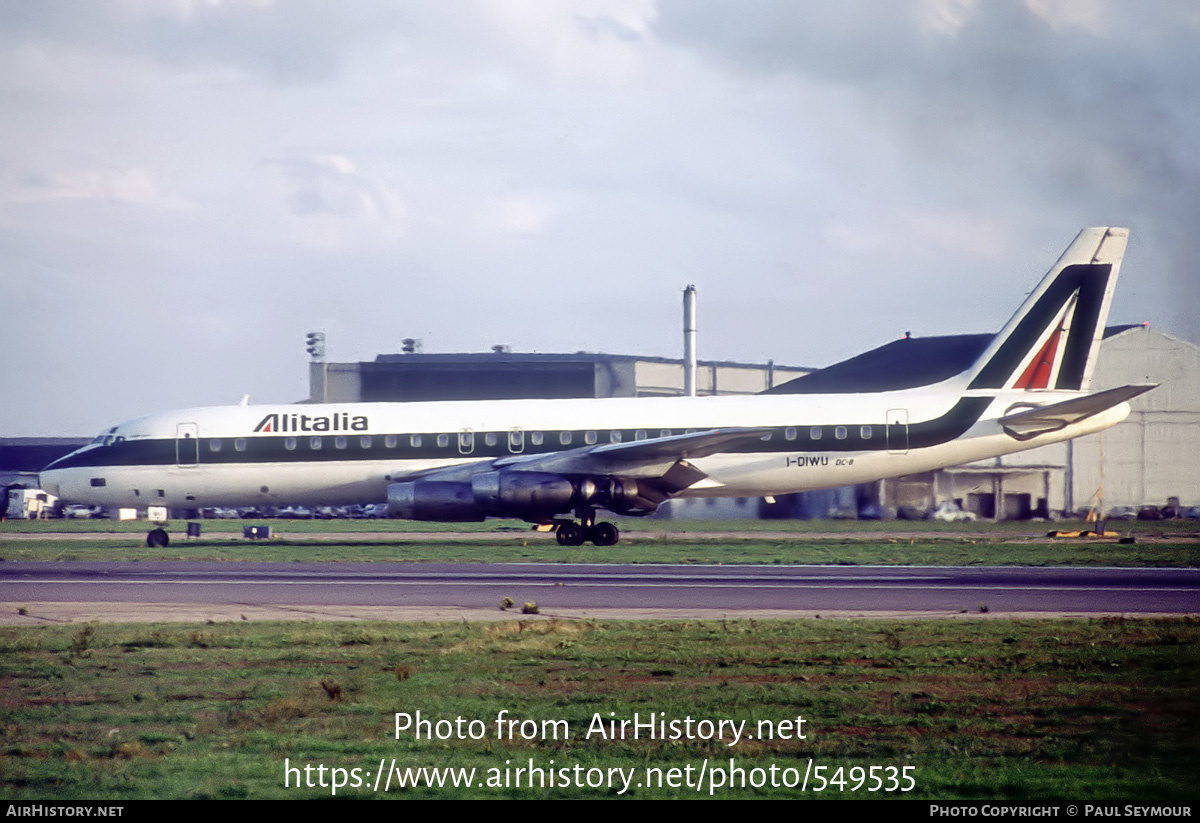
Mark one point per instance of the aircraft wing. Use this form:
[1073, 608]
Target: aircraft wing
[659, 457]
[1029, 423]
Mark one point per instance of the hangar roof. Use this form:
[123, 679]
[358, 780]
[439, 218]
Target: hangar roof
[902, 364]
[32, 454]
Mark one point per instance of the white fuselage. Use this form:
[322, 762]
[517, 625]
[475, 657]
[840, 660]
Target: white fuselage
[349, 453]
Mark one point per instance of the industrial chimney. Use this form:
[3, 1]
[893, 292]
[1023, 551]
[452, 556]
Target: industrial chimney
[689, 341]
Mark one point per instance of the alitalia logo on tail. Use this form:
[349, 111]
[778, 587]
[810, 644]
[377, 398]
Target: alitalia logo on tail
[276, 422]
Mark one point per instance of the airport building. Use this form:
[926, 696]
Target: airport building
[504, 375]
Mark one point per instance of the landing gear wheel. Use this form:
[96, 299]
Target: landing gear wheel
[605, 534]
[570, 534]
[157, 539]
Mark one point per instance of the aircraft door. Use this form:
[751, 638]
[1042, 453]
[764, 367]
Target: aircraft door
[897, 431]
[466, 441]
[187, 445]
[516, 440]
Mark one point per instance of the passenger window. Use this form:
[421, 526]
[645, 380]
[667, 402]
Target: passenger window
[840, 432]
[536, 438]
[339, 442]
[665, 433]
[640, 434]
[214, 446]
[614, 437]
[490, 438]
[589, 438]
[289, 443]
[564, 438]
[240, 444]
[443, 440]
[315, 443]
[415, 441]
[865, 431]
[789, 433]
[766, 436]
[390, 441]
[814, 433]
[365, 442]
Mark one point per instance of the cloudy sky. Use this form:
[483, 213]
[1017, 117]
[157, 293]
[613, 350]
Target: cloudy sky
[188, 186]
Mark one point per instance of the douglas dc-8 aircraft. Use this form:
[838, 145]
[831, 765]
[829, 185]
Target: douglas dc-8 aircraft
[544, 460]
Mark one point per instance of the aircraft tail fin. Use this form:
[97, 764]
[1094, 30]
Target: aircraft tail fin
[1053, 339]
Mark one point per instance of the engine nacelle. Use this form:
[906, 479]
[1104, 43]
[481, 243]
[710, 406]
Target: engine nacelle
[433, 500]
[629, 497]
[530, 495]
[524, 493]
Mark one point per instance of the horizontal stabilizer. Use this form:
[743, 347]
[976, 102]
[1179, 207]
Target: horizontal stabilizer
[1029, 423]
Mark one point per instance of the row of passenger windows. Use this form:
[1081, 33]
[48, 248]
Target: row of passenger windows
[465, 440]
[516, 439]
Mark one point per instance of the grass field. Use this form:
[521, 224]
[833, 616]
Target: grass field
[999, 709]
[632, 526]
[974, 709]
[1168, 544]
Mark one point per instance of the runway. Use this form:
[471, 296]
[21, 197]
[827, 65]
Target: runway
[147, 591]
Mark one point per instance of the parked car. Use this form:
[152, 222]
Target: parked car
[948, 512]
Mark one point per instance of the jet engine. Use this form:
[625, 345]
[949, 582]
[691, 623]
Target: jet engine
[629, 497]
[529, 495]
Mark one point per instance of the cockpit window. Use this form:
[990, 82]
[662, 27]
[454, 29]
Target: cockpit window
[106, 438]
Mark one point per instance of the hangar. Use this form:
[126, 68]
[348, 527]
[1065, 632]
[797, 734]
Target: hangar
[505, 375]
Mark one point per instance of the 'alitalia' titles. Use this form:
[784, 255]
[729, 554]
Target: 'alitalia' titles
[342, 422]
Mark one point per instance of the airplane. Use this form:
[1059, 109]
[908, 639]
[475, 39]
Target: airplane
[557, 462]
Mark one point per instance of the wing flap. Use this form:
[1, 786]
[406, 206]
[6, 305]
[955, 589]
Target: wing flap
[659, 457]
[639, 458]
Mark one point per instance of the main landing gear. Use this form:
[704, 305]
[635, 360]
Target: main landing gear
[570, 533]
[157, 538]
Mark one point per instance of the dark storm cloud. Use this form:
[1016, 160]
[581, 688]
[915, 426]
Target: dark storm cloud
[1091, 106]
